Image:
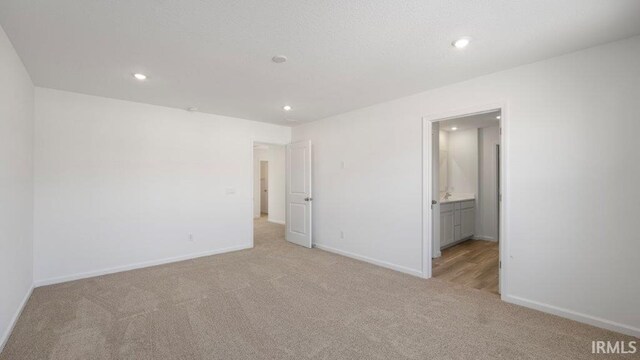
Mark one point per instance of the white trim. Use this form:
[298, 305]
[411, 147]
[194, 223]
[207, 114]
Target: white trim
[144, 264]
[427, 189]
[14, 319]
[281, 222]
[252, 143]
[369, 260]
[457, 242]
[572, 315]
[482, 237]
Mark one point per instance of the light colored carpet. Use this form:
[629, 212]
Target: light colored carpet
[282, 301]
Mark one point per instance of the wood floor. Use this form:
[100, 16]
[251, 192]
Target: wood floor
[473, 263]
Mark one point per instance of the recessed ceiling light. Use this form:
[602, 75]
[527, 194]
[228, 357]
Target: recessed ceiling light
[498, 117]
[454, 128]
[286, 108]
[279, 59]
[140, 76]
[461, 43]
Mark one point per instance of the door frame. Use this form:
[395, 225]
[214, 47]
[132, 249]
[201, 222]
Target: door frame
[252, 143]
[427, 160]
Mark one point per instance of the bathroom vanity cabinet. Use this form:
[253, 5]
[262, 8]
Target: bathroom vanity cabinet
[457, 221]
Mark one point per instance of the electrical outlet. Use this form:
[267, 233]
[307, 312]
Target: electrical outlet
[191, 237]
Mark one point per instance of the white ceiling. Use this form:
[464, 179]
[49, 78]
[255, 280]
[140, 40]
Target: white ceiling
[471, 122]
[343, 54]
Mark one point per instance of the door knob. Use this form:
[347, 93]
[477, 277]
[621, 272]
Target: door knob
[433, 202]
[308, 199]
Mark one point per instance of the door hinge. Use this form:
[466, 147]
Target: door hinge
[500, 264]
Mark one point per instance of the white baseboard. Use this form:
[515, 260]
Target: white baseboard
[457, 242]
[572, 315]
[14, 319]
[482, 237]
[369, 260]
[84, 275]
[281, 222]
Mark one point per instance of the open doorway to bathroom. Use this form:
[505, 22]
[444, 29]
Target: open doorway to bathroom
[465, 201]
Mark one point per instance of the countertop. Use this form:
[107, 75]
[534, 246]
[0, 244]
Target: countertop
[454, 199]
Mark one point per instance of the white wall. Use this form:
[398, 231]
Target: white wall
[487, 199]
[443, 156]
[572, 172]
[463, 162]
[275, 155]
[16, 186]
[122, 184]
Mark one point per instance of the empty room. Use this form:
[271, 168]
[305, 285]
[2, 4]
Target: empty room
[319, 180]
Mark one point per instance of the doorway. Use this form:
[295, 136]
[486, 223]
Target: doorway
[268, 193]
[269, 182]
[463, 209]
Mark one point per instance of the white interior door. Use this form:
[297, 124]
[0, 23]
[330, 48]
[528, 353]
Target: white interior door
[298, 184]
